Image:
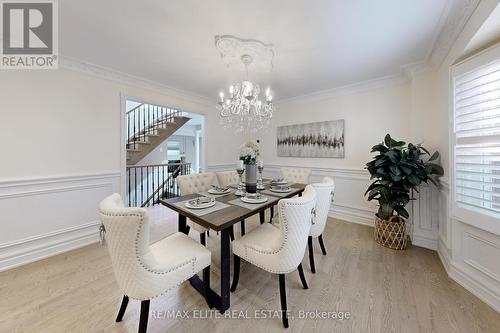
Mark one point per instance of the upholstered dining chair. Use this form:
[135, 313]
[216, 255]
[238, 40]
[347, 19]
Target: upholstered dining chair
[145, 271]
[279, 249]
[227, 178]
[195, 183]
[296, 175]
[324, 197]
[293, 175]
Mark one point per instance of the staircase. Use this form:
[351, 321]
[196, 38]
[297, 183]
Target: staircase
[148, 126]
[148, 184]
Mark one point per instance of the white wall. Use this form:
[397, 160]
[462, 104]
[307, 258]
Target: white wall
[370, 112]
[62, 153]
[368, 116]
[469, 253]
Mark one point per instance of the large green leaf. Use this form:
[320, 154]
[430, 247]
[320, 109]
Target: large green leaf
[434, 156]
[385, 211]
[395, 170]
[402, 211]
[414, 180]
[393, 155]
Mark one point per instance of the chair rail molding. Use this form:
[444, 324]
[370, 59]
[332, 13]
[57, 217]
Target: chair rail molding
[51, 215]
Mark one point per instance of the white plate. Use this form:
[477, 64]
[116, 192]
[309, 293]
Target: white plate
[254, 201]
[199, 206]
[279, 183]
[214, 191]
[281, 190]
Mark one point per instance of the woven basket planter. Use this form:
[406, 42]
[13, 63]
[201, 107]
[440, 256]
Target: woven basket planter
[391, 233]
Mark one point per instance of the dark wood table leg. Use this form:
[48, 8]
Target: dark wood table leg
[195, 280]
[225, 267]
[182, 224]
[272, 214]
[262, 215]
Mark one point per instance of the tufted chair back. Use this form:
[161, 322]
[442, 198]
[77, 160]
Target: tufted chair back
[280, 249]
[127, 236]
[196, 182]
[296, 175]
[226, 178]
[324, 197]
[295, 217]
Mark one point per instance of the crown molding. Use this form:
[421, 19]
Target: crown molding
[128, 79]
[452, 22]
[349, 89]
[458, 14]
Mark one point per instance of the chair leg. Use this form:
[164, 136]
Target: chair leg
[283, 300]
[203, 240]
[143, 321]
[236, 272]
[206, 285]
[302, 277]
[311, 254]
[123, 307]
[242, 227]
[320, 238]
[208, 232]
[231, 234]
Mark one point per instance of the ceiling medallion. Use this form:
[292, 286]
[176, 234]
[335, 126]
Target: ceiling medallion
[243, 110]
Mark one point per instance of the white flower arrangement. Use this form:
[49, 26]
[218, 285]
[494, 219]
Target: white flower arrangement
[249, 151]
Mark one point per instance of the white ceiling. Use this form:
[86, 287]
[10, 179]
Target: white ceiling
[320, 44]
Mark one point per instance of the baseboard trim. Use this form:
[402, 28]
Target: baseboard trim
[425, 242]
[32, 249]
[460, 276]
[352, 214]
[51, 224]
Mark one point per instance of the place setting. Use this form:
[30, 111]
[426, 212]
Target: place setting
[201, 205]
[217, 191]
[278, 187]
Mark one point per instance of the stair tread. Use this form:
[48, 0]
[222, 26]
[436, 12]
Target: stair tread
[140, 141]
[158, 135]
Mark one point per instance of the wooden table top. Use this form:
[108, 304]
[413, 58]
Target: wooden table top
[228, 216]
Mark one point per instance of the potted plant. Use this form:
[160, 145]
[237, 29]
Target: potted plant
[398, 169]
[248, 154]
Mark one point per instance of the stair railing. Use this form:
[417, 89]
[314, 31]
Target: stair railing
[147, 184]
[147, 119]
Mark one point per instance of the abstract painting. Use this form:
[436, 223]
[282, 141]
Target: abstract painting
[321, 139]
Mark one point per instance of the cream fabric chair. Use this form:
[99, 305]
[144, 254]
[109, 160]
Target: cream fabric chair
[279, 249]
[227, 178]
[296, 175]
[195, 183]
[146, 271]
[324, 195]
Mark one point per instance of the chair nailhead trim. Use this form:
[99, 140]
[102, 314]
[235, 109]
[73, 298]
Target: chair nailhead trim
[141, 223]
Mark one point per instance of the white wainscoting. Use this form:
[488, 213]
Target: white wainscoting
[50, 215]
[470, 255]
[425, 216]
[350, 203]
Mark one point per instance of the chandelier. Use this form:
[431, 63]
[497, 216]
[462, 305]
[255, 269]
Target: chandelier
[243, 109]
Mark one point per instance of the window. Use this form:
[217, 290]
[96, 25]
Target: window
[476, 137]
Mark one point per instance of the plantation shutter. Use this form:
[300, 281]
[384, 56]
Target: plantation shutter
[476, 135]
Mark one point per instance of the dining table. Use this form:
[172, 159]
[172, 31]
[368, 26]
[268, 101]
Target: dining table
[222, 220]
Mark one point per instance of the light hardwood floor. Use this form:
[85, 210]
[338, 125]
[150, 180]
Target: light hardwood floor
[384, 290]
